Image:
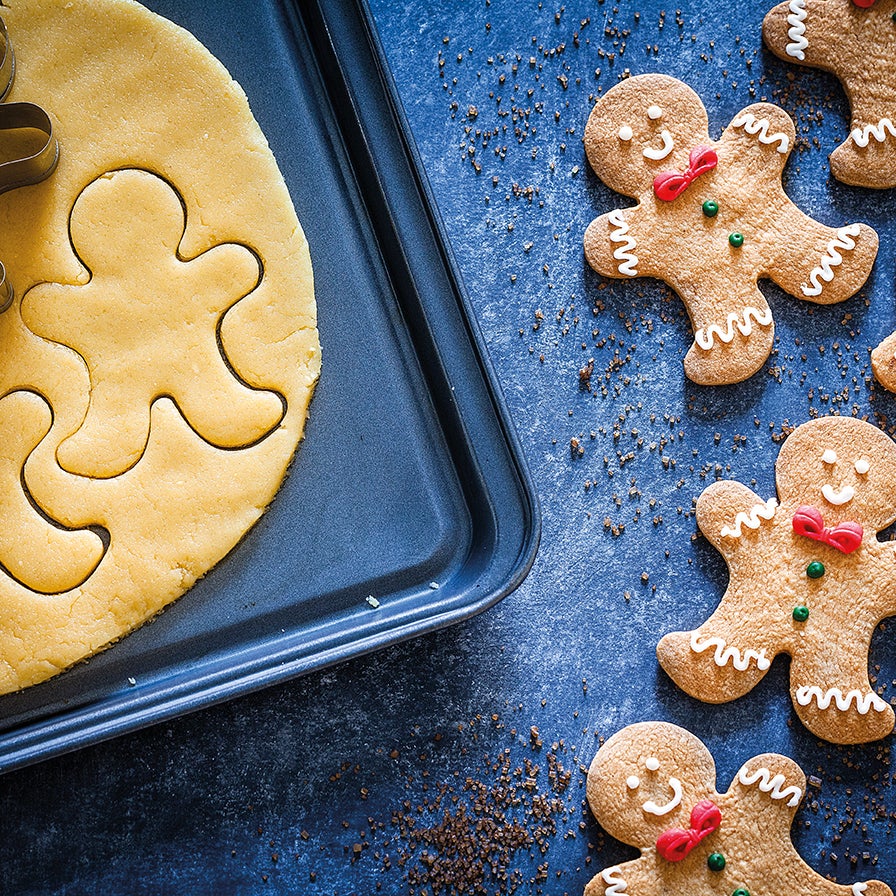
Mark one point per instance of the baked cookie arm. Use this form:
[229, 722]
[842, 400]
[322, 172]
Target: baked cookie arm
[770, 780]
[883, 362]
[731, 515]
[610, 246]
[769, 789]
[832, 693]
[760, 137]
[821, 264]
[629, 879]
[867, 158]
[797, 31]
[733, 332]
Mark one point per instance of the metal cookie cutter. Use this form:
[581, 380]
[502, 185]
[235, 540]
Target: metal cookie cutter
[27, 170]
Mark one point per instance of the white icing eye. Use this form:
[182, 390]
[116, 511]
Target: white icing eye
[633, 782]
[654, 112]
[652, 763]
[862, 466]
[626, 133]
[829, 457]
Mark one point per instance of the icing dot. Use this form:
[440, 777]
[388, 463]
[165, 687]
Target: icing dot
[652, 763]
[800, 613]
[633, 782]
[654, 112]
[829, 457]
[736, 240]
[862, 466]
[626, 133]
[815, 570]
[740, 891]
[710, 208]
[715, 861]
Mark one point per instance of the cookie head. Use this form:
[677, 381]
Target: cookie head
[844, 467]
[646, 779]
[642, 127]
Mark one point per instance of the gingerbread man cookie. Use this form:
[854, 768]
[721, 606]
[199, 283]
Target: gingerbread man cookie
[808, 578]
[853, 39]
[712, 219]
[653, 786]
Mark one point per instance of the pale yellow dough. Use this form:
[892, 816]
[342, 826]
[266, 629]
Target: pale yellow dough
[160, 357]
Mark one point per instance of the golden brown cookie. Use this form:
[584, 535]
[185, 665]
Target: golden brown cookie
[712, 218]
[808, 577]
[653, 786]
[162, 350]
[854, 41]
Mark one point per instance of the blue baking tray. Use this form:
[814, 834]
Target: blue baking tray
[409, 486]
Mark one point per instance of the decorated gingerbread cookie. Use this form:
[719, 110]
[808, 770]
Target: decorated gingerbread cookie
[853, 39]
[712, 218]
[808, 577]
[653, 786]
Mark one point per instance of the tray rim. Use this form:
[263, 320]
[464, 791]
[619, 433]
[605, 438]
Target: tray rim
[84, 725]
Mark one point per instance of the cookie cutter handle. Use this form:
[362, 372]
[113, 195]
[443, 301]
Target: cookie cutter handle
[30, 169]
[7, 62]
[38, 166]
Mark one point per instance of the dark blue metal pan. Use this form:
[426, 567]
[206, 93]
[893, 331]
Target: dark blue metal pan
[409, 487]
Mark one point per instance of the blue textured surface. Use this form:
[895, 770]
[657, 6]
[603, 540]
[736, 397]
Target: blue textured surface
[308, 769]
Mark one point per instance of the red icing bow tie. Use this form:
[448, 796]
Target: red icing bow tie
[670, 185]
[864, 4]
[675, 843]
[845, 537]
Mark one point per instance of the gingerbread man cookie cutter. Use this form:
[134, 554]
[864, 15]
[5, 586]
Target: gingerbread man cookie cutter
[712, 219]
[852, 39]
[33, 167]
[652, 785]
[808, 577]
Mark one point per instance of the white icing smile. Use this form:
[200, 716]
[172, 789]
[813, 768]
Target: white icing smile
[844, 496]
[659, 154]
[651, 807]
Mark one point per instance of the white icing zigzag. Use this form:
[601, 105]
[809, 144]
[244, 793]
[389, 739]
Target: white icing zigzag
[753, 125]
[862, 136]
[825, 270]
[797, 30]
[858, 888]
[864, 702]
[768, 784]
[624, 252]
[705, 336]
[752, 520]
[614, 880]
[724, 654]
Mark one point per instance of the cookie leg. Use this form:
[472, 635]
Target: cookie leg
[823, 264]
[733, 335]
[41, 555]
[834, 698]
[720, 661]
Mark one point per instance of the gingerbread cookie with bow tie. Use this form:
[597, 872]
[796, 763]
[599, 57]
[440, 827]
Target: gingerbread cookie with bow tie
[712, 218]
[853, 39]
[653, 786]
[808, 577]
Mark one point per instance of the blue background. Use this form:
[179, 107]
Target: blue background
[305, 770]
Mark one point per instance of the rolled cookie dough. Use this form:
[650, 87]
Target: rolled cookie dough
[206, 401]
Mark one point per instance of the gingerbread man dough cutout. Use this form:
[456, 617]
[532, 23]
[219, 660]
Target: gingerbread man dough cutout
[653, 786]
[712, 219]
[126, 304]
[808, 578]
[853, 39]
